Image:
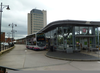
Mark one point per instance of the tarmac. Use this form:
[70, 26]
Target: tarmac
[76, 56]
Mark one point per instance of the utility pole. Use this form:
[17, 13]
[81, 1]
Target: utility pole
[12, 29]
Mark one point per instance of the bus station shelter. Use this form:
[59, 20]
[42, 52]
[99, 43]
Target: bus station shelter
[72, 35]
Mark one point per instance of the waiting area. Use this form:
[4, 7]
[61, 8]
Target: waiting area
[72, 35]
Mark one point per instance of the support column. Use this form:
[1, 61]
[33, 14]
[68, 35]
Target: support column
[63, 37]
[94, 38]
[73, 33]
[98, 36]
[57, 37]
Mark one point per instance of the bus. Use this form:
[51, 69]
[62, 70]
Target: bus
[36, 41]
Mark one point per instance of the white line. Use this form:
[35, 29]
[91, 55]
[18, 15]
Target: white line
[24, 58]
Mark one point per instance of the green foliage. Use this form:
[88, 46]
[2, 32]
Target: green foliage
[85, 43]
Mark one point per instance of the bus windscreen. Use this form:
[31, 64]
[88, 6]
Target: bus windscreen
[40, 37]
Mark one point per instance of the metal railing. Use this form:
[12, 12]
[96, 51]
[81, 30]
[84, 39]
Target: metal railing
[4, 47]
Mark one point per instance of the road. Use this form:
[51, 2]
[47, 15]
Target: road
[24, 59]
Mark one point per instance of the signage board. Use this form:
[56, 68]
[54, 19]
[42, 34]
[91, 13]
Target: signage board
[84, 30]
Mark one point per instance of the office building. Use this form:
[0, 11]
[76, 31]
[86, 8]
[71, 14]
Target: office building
[37, 19]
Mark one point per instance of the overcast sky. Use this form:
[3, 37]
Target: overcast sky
[88, 10]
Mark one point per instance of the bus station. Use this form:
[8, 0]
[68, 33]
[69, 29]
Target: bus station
[68, 39]
[72, 35]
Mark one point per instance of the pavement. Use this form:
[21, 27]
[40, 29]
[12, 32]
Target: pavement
[76, 56]
[29, 60]
[5, 50]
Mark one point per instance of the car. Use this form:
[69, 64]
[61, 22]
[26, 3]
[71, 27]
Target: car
[5, 44]
[11, 44]
[2, 44]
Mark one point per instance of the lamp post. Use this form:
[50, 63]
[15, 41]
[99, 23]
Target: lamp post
[1, 10]
[8, 34]
[12, 29]
[13, 32]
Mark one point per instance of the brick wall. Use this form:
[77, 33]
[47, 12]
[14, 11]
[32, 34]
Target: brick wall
[2, 36]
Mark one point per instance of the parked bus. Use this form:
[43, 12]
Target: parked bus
[36, 41]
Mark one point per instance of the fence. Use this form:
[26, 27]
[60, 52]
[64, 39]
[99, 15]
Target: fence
[5, 47]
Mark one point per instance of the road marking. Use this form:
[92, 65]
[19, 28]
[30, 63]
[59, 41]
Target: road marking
[98, 61]
[24, 58]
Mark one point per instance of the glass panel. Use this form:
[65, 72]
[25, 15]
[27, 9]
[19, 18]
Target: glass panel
[68, 37]
[55, 38]
[51, 39]
[60, 38]
[77, 47]
[96, 33]
[84, 31]
[90, 30]
[69, 40]
[91, 43]
[77, 30]
[48, 34]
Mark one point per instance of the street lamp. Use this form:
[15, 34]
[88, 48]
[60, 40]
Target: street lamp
[13, 33]
[1, 10]
[12, 29]
[8, 34]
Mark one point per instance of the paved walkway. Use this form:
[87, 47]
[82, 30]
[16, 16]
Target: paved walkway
[78, 56]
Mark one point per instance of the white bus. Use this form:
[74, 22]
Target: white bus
[36, 41]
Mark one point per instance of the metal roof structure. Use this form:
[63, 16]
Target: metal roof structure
[63, 23]
[60, 23]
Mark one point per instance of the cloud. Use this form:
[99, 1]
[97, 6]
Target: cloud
[56, 10]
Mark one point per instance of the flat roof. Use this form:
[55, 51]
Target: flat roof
[60, 23]
[36, 11]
